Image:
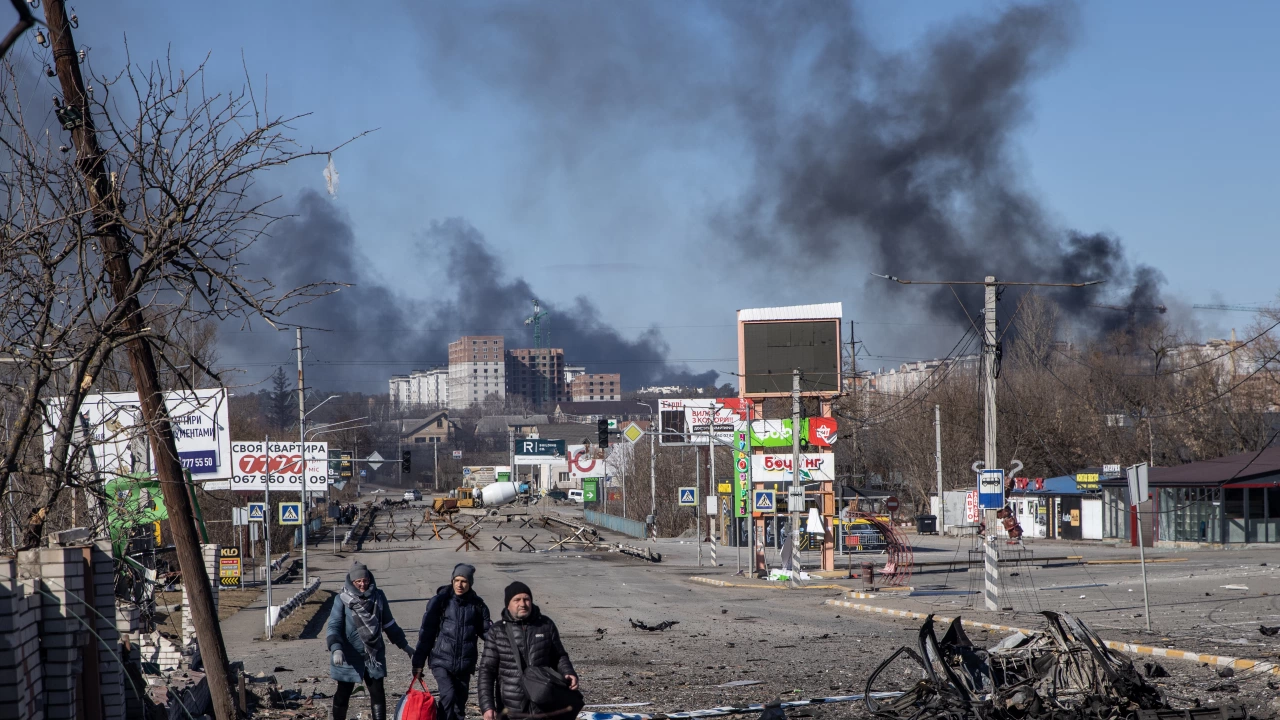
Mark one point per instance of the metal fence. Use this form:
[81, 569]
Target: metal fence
[634, 528]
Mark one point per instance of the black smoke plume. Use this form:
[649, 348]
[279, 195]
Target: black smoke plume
[863, 158]
[367, 332]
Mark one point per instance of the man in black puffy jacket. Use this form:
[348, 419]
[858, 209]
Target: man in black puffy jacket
[501, 688]
[456, 618]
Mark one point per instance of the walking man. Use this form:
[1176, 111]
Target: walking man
[455, 620]
[526, 640]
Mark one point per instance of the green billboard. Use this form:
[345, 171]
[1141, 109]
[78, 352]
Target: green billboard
[590, 490]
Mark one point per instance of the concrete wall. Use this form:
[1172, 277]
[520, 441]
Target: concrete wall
[634, 528]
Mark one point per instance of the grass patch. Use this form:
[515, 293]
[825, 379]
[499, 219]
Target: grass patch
[309, 620]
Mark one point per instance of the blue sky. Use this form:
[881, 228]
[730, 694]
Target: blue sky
[1157, 125]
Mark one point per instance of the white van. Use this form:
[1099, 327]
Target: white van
[412, 495]
[575, 496]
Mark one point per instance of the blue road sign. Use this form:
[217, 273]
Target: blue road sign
[257, 512]
[688, 496]
[364, 473]
[991, 489]
[762, 501]
[290, 513]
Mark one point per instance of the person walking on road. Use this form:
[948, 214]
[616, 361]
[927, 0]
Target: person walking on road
[448, 641]
[357, 652]
[523, 654]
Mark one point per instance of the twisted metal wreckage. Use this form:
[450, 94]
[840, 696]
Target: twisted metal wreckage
[1065, 672]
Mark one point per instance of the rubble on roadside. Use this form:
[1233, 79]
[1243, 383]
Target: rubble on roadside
[1064, 672]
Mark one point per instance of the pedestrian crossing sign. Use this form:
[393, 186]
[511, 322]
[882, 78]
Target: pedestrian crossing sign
[688, 496]
[290, 513]
[257, 512]
[762, 501]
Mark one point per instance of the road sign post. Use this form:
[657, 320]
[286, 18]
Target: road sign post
[891, 504]
[688, 497]
[762, 502]
[991, 489]
[257, 511]
[290, 513]
[1137, 476]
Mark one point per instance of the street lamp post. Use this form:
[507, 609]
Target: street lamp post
[653, 467]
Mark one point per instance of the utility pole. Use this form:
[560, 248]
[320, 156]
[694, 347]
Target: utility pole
[302, 440]
[514, 476]
[697, 481]
[266, 525]
[435, 457]
[991, 291]
[937, 457]
[117, 248]
[797, 486]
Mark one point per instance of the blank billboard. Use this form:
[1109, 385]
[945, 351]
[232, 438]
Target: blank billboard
[772, 350]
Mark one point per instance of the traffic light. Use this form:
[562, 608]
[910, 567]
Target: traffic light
[404, 461]
[602, 428]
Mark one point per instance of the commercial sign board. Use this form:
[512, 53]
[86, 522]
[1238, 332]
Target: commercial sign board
[778, 468]
[119, 443]
[690, 421]
[741, 477]
[1087, 481]
[229, 567]
[536, 446]
[481, 475]
[582, 464]
[284, 462]
[816, 432]
[590, 490]
[775, 341]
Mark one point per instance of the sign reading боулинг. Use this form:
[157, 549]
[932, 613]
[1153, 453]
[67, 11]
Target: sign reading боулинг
[991, 489]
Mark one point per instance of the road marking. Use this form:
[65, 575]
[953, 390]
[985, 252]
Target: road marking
[1218, 660]
[722, 583]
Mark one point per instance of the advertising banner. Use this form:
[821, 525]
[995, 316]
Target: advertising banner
[688, 422]
[741, 474]
[284, 462]
[118, 443]
[582, 464]
[816, 432]
[777, 468]
[535, 446]
[229, 570]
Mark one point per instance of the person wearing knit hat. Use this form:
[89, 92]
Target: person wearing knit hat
[523, 639]
[357, 653]
[448, 640]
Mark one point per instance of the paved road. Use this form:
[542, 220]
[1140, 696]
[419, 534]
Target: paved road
[787, 640]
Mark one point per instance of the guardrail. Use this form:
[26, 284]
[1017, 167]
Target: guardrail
[296, 601]
[634, 528]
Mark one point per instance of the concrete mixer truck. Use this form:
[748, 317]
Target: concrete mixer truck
[499, 493]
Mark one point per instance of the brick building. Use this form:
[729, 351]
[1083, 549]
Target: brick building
[537, 375]
[596, 387]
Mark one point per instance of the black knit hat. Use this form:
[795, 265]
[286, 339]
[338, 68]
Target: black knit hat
[515, 589]
[465, 571]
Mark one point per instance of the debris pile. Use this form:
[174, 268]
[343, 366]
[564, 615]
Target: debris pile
[642, 625]
[1065, 672]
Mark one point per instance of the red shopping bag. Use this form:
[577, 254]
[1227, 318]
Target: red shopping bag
[416, 704]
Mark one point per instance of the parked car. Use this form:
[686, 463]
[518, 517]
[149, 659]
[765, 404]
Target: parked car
[558, 495]
[412, 495]
[575, 495]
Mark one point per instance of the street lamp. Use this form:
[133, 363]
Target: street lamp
[653, 473]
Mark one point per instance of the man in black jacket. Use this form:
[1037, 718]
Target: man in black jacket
[501, 688]
[455, 620]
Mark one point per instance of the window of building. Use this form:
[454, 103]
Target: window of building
[419, 440]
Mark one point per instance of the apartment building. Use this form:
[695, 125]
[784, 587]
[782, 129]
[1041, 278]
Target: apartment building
[477, 370]
[589, 387]
[537, 374]
[429, 388]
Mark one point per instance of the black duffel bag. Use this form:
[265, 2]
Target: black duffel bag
[546, 687]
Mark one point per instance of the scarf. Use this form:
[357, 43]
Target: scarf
[368, 621]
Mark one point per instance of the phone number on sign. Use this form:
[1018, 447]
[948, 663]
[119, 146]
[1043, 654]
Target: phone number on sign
[198, 463]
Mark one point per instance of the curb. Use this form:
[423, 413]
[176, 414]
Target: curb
[1217, 660]
[723, 583]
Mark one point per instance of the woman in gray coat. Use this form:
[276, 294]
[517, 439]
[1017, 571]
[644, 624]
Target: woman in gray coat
[357, 653]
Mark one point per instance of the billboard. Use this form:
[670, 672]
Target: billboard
[582, 464]
[118, 443]
[286, 463]
[816, 432]
[773, 342]
[689, 422]
[777, 468]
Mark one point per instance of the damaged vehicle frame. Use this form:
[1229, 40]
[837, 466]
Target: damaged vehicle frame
[1065, 672]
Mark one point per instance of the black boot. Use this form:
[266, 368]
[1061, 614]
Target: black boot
[378, 712]
[339, 711]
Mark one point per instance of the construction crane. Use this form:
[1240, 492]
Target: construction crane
[1232, 308]
[536, 321]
